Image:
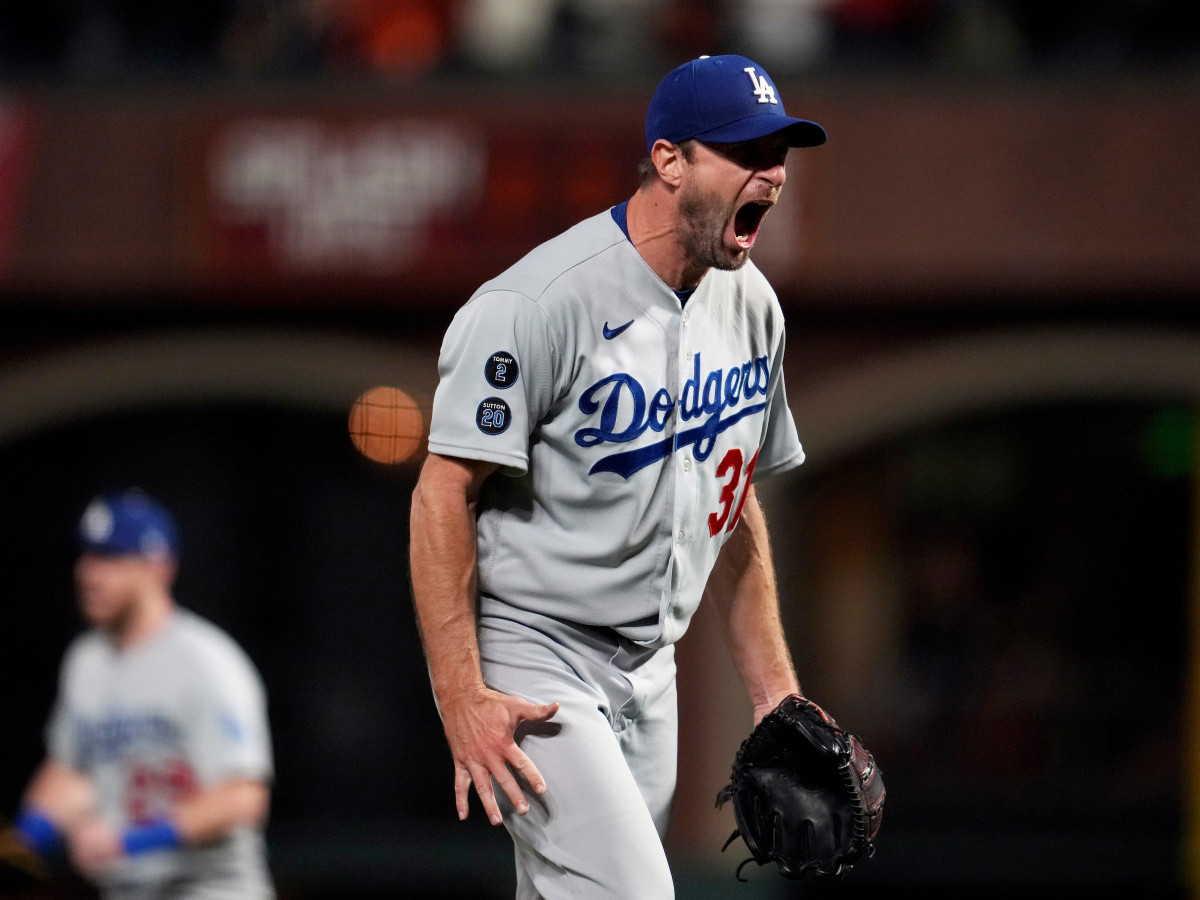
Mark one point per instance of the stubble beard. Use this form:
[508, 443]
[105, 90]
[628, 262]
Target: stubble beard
[112, 615]
[703, 233]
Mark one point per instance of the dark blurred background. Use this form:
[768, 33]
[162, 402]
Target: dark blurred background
[222, 221]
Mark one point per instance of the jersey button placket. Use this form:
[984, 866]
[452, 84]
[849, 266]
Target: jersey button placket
[685, 483]
[682, 506]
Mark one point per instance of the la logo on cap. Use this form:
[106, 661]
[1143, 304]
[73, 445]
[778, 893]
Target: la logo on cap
[98, 522]
[762, 87]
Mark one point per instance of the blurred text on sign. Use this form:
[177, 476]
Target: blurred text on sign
[316, 195]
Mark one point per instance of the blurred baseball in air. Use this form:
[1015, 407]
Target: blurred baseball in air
[386, 425]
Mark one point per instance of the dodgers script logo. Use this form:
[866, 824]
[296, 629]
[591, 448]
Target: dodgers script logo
[105, 739]
[625, 413]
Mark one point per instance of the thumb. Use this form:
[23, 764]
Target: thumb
[542, 712]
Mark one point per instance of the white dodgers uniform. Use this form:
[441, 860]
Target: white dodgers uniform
[183, 710]
[628, 426]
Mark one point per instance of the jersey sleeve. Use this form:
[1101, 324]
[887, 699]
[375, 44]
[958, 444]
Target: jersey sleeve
[497, 379]
[62, 744]
[780, 449]
[230, 735]
[59, 743]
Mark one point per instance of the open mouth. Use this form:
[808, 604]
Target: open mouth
[748, 220]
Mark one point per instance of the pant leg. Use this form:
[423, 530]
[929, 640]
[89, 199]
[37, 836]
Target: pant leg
[648, 733]
[207, 889]
[591, 836]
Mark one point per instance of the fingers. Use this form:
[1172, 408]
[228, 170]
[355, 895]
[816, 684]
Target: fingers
[93, 846]
[462, 784]
[524, 765]
[482, 780]
[512, 790]
[487, 756]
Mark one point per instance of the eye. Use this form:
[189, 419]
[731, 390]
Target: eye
[764, 153]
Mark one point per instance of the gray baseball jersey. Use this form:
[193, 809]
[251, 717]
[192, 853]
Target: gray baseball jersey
[630, 426]
[182, 711]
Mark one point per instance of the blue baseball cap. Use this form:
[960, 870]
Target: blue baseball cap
[723, 99]
[127, 523]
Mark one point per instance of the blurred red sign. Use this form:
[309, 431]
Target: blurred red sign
[444, 202]
[308, 195]
[16, 149]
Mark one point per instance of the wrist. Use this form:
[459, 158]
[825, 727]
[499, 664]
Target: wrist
[771, 697]
[454, 695]
[37, 831]
[158, 835]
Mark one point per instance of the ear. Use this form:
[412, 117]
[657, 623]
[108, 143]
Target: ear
[165, 569]
[668, 161]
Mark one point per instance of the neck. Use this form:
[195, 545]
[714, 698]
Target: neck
[145, 619]
[653, 222]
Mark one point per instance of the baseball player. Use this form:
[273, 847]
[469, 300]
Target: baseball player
[603, 409]
[159, 758]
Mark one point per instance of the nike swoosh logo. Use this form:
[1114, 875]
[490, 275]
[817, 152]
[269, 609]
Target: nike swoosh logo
[610, 333]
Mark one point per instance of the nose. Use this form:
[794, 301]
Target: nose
[774, 175]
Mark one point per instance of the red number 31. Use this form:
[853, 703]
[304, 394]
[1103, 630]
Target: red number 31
[731, 467]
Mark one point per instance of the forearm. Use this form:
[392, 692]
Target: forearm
[60, 793]
[742, 587]
[57, 798]
[480, 723]
[442, 564]
[212, 813]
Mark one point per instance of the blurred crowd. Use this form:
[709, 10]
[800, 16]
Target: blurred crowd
[130, 40]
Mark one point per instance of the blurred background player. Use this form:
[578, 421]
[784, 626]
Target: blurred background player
[158, 758]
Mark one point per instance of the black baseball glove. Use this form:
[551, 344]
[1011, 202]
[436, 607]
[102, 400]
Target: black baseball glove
[805, 793]
[20, 867]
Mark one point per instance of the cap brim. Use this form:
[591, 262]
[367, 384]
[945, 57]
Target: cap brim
[108, 550]
[800, 132]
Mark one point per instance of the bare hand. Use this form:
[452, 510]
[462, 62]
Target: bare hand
[94, 845]
[480, 727]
